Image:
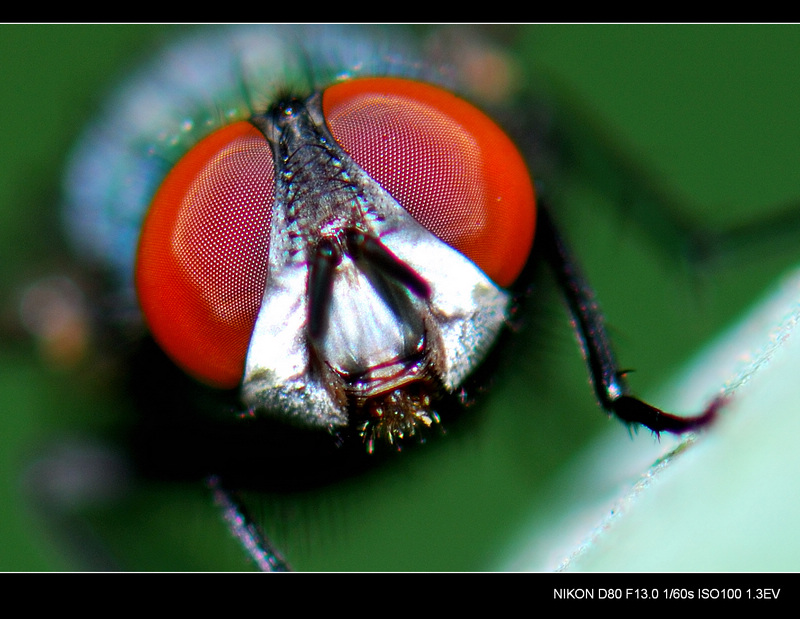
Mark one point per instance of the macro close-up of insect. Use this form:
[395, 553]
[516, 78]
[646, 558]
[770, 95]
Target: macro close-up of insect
[300, 296]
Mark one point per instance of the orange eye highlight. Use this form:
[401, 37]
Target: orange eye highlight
[451, 167]
[204, 250]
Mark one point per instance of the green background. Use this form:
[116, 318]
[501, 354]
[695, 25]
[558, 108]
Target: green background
[708, 114]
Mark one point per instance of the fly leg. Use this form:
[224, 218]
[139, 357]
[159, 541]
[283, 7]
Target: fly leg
[244, 529]
[608, 379]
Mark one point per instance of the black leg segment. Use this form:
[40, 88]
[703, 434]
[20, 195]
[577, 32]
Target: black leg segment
[244, 528]
[607, 377]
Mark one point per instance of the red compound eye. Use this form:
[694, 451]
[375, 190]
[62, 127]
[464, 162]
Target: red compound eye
[203, 253]
[451, 167]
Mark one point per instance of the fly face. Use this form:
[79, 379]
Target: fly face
[382, 315]
[340, 255]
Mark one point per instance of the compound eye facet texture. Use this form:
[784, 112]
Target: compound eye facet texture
[203, 253]
[447, 163]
